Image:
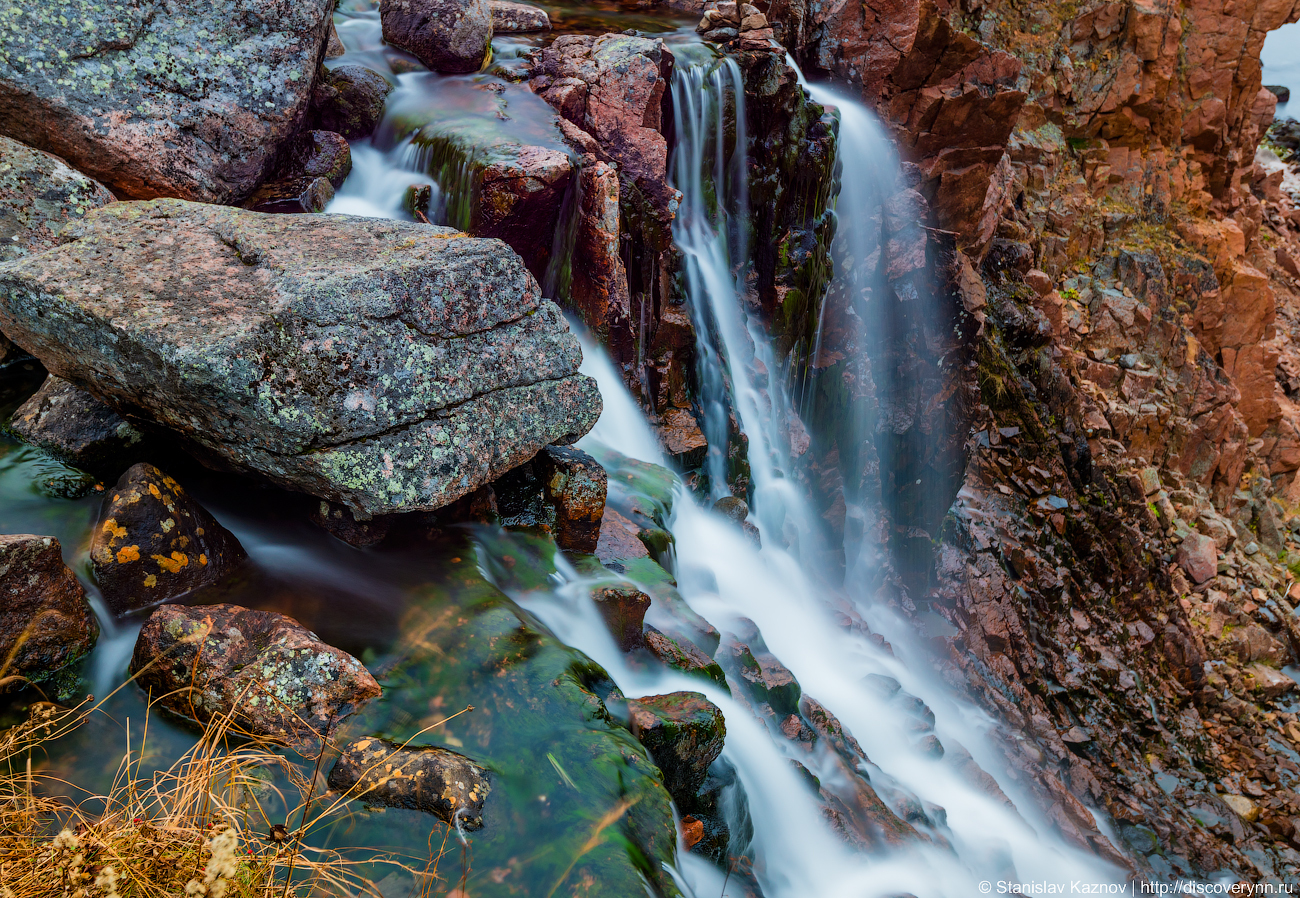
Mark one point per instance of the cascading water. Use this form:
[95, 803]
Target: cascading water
[965, 835]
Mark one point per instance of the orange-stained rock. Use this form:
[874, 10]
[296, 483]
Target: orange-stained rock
[154, 543]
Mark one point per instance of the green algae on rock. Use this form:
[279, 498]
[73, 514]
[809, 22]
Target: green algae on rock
[388, 366]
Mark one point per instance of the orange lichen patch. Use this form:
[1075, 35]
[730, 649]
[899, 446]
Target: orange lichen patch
[174, 564]
[151, 581]
[153, 489]
[183, 541]
[203, 559]
[692, 831]
[198, 531]
[128, 553]
[111, 527]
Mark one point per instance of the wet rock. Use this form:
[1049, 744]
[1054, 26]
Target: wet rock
[575, 485]
[45, 621]
[682, 655]
[613, 87]
[764, 677]
[1281, 91]
[509, 17]
[520, 191]
[39, 194]
[599, 289]
[733, 509]
[203, 120]
[320, 154]
[377, 364]
[339, 521]
[452, 36]
[684, 733]
[623, 608]
[1199, 557]
[292, 196]
[273, 677]
[75, 427]
[154, 543]
[681, 437]
[349, 99]
[422, 778]
[619, 539]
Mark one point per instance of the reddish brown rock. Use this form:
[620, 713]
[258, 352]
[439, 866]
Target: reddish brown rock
[154, 543]
[271, 675]
[446, 35]
[599, 289]
[519, 193]
[39, 194]
[623, 608]
[203, 121]
[613, 87]
[575, 485]
[619, 538]
[681, 438]
[422, 778]
[1199, 557]
[45, 620]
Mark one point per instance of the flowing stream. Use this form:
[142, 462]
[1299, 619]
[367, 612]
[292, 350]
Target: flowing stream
[891, 700]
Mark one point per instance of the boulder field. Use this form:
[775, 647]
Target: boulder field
[387, 366]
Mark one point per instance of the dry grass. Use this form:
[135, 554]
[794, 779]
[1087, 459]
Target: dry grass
[217, 823]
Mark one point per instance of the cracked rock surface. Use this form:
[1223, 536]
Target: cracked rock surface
[386, 366]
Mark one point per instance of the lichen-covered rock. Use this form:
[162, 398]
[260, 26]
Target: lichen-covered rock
[154, 543]
[446, 35]
[77, 428]
[509, 17]
[45, 621]
[575, 486]
[422, 778]
[183, 98]
[39, 193]
[682, 655]
[387, 366]
[684, 733]
[349, 99]
[274, 677]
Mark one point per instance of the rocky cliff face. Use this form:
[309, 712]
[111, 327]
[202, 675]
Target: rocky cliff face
[1114, 561]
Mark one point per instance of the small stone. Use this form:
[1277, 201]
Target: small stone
[45, 621]
[684, 733]
[1242, 806]
[292, 196]
[77, 428]
[425, 778]
[1282, 92]
[732, 508]
[1272, 684]
[930, 747]
[623, 608]
[1199, 557]
[1039, 281]
[153, 543]
[575, 485]
[1150, 479]
[1251, 548]
[1076, 735]
[320, 154]
[272, 675]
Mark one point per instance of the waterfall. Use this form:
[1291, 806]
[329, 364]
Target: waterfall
[965, 834]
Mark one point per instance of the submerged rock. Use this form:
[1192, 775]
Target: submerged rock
[273, 677]
[387, 366]
[684, 733]
[154, 543]
[187, 99]
[349, 99]
[75, 427]
[422, 778]
[509, 17]
[45, 621]
[39, 193]
[446, 35]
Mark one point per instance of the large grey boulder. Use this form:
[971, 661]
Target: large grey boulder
[446, 35]
[39, 194]
[185, 98]
[387, 366]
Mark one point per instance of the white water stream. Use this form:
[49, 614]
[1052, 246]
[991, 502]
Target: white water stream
[968, 837]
